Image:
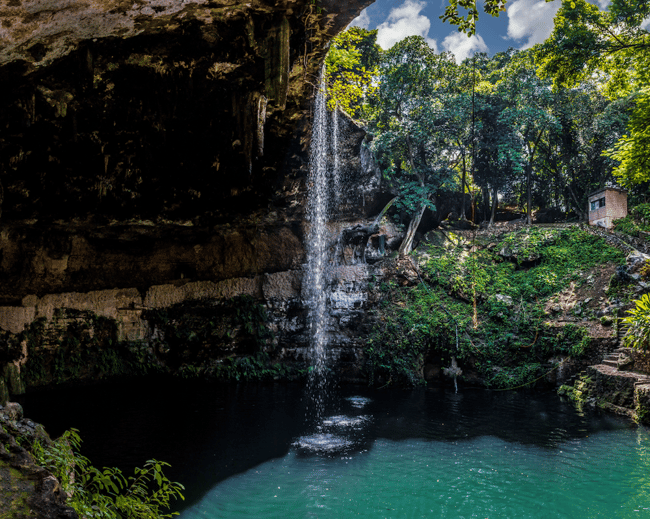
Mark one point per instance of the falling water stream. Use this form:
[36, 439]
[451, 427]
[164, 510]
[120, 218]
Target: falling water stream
[318, 206]
[324, 187]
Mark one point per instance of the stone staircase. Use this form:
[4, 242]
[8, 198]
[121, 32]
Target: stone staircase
[612, 387]
[621, 330]
[615, 359]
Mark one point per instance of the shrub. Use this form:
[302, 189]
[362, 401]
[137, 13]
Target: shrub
[638, 320]
[107, 493]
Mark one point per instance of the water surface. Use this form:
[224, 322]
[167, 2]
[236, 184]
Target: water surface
[247, 451]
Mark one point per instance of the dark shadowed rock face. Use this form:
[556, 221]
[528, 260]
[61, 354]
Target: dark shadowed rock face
[147, 142]
[158, 109]
[154, 159]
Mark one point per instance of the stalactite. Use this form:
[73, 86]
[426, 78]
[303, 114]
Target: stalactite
[277, 64]
[262, 102]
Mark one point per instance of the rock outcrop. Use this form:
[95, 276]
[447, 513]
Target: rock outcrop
[157, 110]
[620, 384]
[26, 490]
[154, 156]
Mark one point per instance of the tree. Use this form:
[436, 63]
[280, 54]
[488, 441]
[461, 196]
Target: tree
[350, 66]
[467, 22]
[611, 44]
[632, 151]
[571, 163]
[529, 111]
[586, 40]
[499, 157]
[408, 121]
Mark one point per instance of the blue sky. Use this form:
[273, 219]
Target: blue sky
[525, 23]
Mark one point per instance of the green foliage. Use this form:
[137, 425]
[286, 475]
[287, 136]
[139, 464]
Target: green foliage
[464, 13]
[350, 66]
[434, 321]
[107, 493]
[631, 150]
[587, 42]
[411, 127]
[77, 345]
[196, 331]
[586, 39]
[412, 322]
[638, 320]
[558, 254]
[258, 367]
[569, 339]
[636, 222]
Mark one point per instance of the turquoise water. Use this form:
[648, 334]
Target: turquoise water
[605, 475]
[250, 451]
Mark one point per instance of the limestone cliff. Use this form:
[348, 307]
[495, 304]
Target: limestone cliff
[155, 153]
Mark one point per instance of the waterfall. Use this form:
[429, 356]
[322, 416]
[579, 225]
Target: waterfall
[323, 187]
[336, 156]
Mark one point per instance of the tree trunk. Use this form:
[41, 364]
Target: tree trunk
[462, 192]
[581, 213]
[486, 202]
[495, 204]
[529, 172]
[529, 168]
[407, 243]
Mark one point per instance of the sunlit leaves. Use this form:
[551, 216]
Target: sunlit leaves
[464, 13]
[638, 320]
[351, 66]
[612, 46]
[632, 151]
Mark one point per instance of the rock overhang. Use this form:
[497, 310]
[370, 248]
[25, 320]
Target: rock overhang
[138, 109]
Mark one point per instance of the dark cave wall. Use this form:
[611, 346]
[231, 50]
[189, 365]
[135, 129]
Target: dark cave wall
[155, 155]
[197, 114]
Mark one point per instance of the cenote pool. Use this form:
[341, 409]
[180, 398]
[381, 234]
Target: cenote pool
[248, 451]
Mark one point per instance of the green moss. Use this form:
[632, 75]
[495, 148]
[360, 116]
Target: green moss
[78, 345]
[201, 330]
[508, 338]
[15, 491]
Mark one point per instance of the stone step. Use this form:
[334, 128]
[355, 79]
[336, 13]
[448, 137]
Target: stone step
[613, 363]
[622, 330]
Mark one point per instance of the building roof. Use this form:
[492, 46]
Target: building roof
[610, 188]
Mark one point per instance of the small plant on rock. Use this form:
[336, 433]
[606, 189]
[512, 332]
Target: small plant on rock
[107, 493]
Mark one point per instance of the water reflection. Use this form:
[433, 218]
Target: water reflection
[214, 433]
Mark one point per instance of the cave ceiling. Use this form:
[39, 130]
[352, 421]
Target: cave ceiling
[169, 110]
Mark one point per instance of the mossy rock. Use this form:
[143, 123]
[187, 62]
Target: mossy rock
[15, 491]
[14, 380]
[4, 392]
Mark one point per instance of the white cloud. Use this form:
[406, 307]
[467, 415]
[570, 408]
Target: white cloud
[462, 47]
[404, 21]
[603, 4]
[645, 24]
[363, 20]
[532, 19]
